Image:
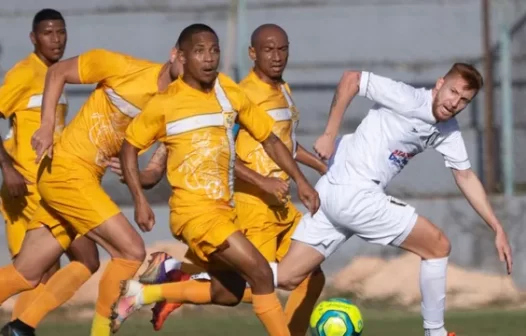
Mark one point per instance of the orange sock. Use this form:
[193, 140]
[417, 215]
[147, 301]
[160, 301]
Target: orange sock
[12, 283]
[301, 303]
[25, 300]
[59, 289]
[110, 282]
[191, 291]
[269, 311]
[247, 296]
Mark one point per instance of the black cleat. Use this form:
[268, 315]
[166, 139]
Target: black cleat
[11, 330]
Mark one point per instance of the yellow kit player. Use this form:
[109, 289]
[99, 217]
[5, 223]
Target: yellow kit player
[194, 119]
[265, 213]
[21, 98]
[70, 183]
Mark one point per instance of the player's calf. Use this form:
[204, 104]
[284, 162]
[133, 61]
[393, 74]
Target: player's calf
[428, 241]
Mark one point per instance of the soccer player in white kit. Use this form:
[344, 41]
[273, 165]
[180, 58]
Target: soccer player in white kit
[404, 122]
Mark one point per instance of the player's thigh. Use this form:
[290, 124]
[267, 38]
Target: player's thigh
[426, 240]
[77, 197]
[117, 236]
[45, 217]
[39, 252]
[258, 227]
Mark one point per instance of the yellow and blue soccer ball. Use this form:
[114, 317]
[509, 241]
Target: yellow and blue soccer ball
[336, 317]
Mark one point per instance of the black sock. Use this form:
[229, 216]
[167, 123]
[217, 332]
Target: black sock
[17, 324]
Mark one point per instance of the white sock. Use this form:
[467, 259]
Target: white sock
[171, 264]
[274, 267]
[433, 289]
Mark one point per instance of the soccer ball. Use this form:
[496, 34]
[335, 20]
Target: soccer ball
[336, 317]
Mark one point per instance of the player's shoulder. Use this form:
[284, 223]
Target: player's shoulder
[20, 71]
[232, 89]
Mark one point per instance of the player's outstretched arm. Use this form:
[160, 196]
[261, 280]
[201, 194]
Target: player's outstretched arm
[346, 90]
[279, 153]
[470, 185]
[130, 170]
[57, 76]
[270, 185]
[307, 158]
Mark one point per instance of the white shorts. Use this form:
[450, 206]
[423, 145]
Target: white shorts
[361, 209]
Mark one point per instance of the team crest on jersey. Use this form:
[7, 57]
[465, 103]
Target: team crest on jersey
[230, 119]
[295, 114]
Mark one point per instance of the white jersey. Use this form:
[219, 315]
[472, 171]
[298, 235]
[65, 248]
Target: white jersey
[399, 126]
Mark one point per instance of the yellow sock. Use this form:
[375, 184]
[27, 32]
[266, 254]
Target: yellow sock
[191, 291]
[247, 296]
[100, 325]
[109, 288]
[12, 283]
[59, 289]
[301, 303]
[268, 309]
[25, 300]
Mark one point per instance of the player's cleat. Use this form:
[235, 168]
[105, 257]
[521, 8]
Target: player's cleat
[11, 330]
[155, 272]
[162, 310]
[451, 334]
[129, 301]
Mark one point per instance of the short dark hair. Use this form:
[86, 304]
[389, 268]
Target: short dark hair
[46, 14]
[191, 30]
[468, 73]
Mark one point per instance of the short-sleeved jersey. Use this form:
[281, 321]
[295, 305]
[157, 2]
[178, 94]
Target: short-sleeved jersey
[279, 105]
[399, 126]
[20, 101]
[125, 85]
[196, 128]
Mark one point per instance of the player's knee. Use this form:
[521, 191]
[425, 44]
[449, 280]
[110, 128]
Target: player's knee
[261, 275]
[92, 264]
[441, 247]
[135, 251]
[226, 298]
[289, 283]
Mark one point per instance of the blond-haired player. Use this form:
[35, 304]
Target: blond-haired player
[70, 183]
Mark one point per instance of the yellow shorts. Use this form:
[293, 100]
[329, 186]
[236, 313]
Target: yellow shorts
[269, 228]
[71, 193]
[17, 213]
[203, 232]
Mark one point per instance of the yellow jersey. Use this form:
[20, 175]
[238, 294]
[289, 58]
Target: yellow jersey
[125, 85]
[20, 102]
[196, 128]
[278, 104]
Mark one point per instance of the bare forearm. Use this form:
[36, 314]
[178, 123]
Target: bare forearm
[305, 157]
[130, 170]
[155, 169]
[472, 188]
[346, 90]
[246, 174]
[280, 154]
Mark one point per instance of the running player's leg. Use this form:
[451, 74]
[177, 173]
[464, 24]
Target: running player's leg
[17, 213]
[84, 262]
[40, 250]
[126, 248]
[216, 240]
[303, 298]
[429, 242]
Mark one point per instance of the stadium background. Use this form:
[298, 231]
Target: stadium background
[410, 40]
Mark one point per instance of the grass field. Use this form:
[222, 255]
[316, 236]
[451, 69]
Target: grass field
[386, 323]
